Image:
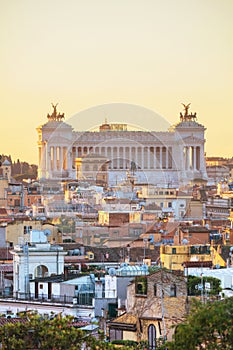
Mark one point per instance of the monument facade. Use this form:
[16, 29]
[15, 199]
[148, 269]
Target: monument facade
[174, 157]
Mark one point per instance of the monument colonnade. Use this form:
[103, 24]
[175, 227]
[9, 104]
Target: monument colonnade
[58, 158]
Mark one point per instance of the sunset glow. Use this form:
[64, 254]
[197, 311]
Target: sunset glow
[156, 54]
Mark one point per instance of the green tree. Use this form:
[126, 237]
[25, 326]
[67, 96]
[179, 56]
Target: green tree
[208, 326]
[35, 333]
[194, 281]
[32, 332]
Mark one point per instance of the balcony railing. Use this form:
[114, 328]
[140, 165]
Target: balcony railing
[80, 299]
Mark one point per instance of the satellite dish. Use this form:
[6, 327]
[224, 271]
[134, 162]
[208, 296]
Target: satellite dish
[185, 241]
[112, 271]
[47, 232]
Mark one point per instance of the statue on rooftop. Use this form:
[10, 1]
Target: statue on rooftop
[186, 109]
[55, 116]
[187, 116]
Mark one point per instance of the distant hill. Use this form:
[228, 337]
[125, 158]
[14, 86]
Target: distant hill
[20, 169]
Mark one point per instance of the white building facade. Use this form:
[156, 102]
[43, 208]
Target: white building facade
[175, 156]
[35, 259]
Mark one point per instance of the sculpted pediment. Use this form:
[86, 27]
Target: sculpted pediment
[192, 139]
[58, 139]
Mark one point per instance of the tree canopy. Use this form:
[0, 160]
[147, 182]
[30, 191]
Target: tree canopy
[59, 333]
[208, 326]
[209, 285]
[36, 333]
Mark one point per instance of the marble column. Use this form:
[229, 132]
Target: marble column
[123, 158]
[166, 166]
[188, 157]
[202, 159]
[47, 154]
[198, 158]
[53, 165]
[118, 158]
[60, 152]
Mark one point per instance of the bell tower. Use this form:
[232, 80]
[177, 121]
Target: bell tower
[6, 170]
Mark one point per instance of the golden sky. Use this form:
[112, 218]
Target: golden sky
[155, 54]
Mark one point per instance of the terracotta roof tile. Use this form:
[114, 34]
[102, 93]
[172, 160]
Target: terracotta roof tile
[126, 318]
[3, 211]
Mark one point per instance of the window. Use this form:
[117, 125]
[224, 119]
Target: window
[135, 231]
[115, 334]
[151, 337]
[27, 229]
[141, 286]
[173, 250]
[173, 290]
[155, 290]
[17, 203]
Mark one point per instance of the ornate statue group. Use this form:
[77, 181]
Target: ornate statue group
[55, 116]
[186, 116]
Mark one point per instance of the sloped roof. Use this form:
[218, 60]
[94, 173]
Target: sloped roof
[6, 162]
[3, 211]
[117, 242]
[56, 124]
[193, 229]
[125, 321]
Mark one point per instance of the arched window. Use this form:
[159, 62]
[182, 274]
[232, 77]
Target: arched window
[151, 337]
[41, 271]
